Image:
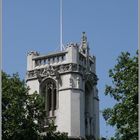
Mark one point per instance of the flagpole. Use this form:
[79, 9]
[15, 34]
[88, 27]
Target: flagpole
[61, 30]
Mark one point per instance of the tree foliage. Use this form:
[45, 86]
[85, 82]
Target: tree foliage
[124, 89]
[21, 112]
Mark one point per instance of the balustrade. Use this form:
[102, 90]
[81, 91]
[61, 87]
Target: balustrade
[50, 60]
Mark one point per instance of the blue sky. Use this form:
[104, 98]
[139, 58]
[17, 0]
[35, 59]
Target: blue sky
[33, 25]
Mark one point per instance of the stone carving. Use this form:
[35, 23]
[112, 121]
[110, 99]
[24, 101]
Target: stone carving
[71, 83]
[62, 68]
[70, 67]
[58, 70]
[78, 82]
[38, 76]
[44, 72]
[91, 77]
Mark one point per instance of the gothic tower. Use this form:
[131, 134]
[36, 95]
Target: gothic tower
[67, 80]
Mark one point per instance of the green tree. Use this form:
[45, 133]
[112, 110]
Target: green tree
[22, 113]
[124, 89]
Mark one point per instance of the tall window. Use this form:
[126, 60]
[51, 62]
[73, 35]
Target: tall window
[48, 90]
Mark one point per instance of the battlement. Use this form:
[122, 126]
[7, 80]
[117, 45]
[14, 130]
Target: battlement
[72, 54]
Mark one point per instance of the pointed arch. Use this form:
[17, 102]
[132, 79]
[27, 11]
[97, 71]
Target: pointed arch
[48, 90]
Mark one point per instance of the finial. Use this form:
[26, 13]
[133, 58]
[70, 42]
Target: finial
[84, 42]
[84, 38]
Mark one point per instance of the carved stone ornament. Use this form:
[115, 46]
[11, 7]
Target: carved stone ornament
[71, 82]
[91, 77]
[78, 82]
[38, 76]
[60, 69]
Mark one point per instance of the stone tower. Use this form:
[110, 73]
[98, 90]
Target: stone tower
[67, 80]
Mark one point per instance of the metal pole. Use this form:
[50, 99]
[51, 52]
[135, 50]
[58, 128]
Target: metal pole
[61, 30]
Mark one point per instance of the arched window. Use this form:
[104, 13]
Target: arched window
[48, 90]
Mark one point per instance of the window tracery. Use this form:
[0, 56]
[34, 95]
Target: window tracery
[49, 92]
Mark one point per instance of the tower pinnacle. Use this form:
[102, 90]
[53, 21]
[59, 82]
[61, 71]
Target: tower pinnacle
[84, 44]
